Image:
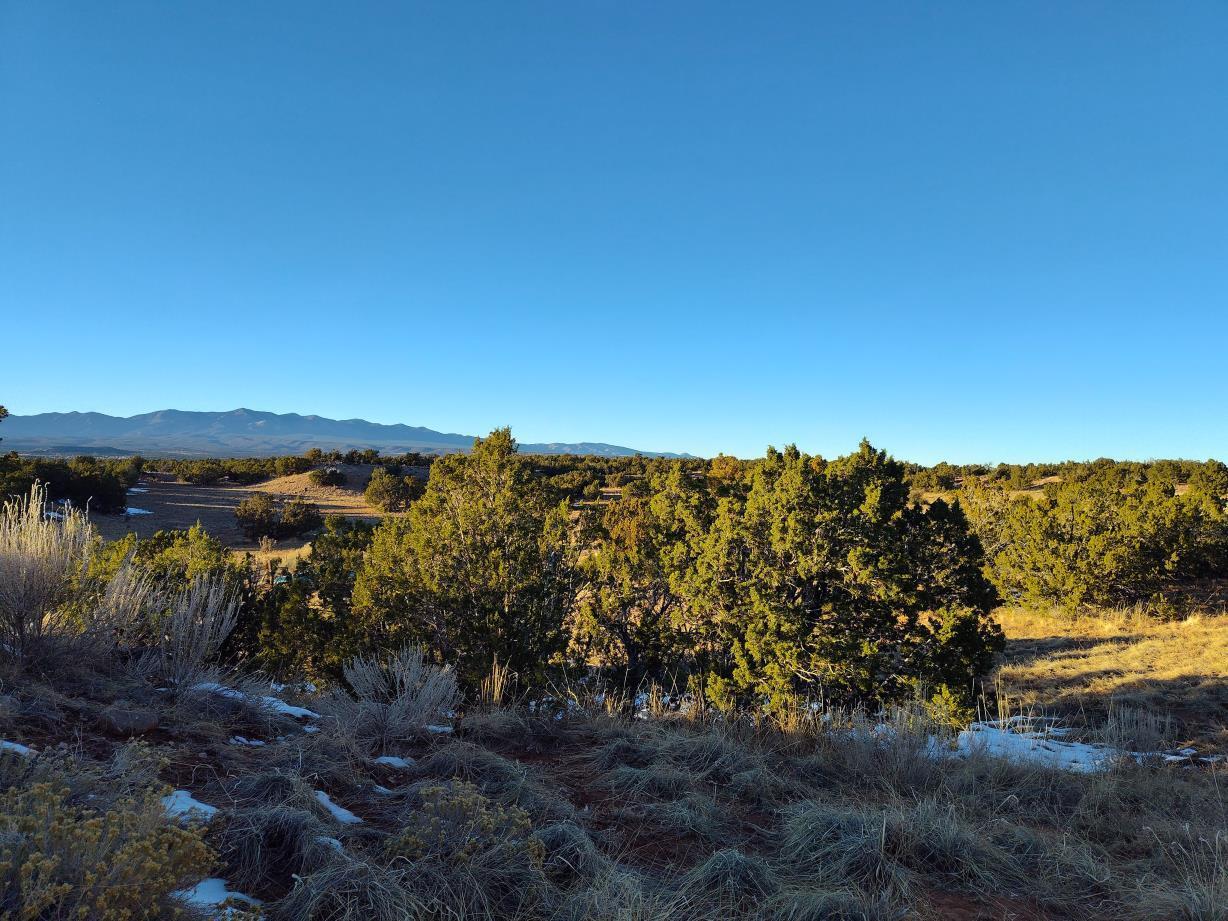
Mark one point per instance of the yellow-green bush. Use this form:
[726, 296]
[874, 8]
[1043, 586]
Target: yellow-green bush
[458, 823]
[61, 861]
[473, 856]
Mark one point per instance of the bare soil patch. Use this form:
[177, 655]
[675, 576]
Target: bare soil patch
[176, 505]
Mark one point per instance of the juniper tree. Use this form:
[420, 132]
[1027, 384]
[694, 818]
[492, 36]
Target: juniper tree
[628, 615]
[480, 567]
[826, 581]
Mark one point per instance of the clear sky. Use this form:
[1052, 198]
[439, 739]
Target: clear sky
[972, 231]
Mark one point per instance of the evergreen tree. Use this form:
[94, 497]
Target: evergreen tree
[825, 581]
[627, 615]
[391, 491]
[1105, 539]
[298, 517]
[304, 625]
[480, 567]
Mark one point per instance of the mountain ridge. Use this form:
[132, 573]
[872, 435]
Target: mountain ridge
[246, 432]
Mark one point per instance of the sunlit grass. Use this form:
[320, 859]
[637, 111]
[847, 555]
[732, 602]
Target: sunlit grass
[1085, 666]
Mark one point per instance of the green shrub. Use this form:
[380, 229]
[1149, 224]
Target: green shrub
[480, 567]
[299, 517]
[286, 466]
[457, 823]
[328, 476]
[257, 516]
[391, 491]
[1097, 543]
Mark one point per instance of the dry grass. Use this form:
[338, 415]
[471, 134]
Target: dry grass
[591, 817]
[198, 621]
[41, 560]
[1085, 668]
[394, 700]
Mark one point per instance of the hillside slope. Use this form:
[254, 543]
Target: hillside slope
[244, 433]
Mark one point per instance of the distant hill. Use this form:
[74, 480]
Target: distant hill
[243, 433]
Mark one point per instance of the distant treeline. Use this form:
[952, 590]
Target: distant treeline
[249, 470]
[102, 485]
[943, 476]
[570, 476]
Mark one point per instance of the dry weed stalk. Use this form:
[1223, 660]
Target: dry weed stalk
[47, 605]
[492, 693]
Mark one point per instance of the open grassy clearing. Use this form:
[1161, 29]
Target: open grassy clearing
[1087, 668]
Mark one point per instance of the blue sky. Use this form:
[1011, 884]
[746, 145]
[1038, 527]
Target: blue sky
[973, 231]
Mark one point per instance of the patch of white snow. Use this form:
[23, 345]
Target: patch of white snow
[269, 703]
[180, 804]
[24, 750]
[340, 813]
[394, 762]
[213, 893]
[999, 738]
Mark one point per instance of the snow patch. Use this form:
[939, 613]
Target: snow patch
[1038, 740]
[180, 804]
[275, 704]
[340, 813]
[439, 730]
[393, 761]
[212, 893]
[1023, 744]
[133, 510]
[137, 490]
[24, 750]
[329, 842]
[244, 740]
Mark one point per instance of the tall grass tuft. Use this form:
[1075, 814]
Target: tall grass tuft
[50, 612]
[394, 699]
[43, 557]
[196, 624]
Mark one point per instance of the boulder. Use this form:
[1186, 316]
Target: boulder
[129, 720]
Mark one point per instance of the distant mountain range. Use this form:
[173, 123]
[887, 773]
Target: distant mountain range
[243, 433]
